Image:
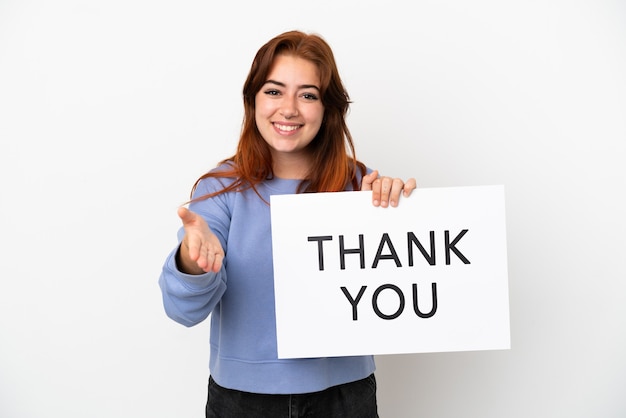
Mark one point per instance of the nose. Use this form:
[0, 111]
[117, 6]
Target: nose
[289, 108]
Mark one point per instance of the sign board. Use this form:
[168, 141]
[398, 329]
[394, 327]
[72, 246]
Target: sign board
[427, 276]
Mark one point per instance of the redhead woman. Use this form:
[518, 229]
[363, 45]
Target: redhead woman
[294, 139]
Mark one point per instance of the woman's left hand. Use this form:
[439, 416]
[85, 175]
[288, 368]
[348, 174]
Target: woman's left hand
[386, 190]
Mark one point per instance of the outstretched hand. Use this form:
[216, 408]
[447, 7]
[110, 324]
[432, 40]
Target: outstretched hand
[200, 250]
[386, 190]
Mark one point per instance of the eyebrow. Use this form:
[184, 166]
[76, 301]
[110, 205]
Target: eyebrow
[300, 87]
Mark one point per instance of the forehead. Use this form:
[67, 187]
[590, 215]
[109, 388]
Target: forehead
[289, 69]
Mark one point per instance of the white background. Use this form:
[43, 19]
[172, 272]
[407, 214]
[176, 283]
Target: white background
[109, 111]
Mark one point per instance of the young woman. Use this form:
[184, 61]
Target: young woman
[294, 139]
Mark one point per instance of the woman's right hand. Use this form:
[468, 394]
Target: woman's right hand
[200, 250]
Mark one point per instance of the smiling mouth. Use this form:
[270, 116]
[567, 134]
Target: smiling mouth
[286, 128]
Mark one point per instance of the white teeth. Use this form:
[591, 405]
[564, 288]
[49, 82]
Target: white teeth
[287, 128]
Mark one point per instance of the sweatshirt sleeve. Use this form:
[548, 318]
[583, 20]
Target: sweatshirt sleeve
[190, 299]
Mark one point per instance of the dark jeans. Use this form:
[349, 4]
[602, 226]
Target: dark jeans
[350, 400]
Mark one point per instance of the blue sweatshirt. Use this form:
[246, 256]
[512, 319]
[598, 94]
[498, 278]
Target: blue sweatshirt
[240, 299]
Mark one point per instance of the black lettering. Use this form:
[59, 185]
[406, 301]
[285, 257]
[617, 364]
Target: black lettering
[452, 246]
[375, 301]
[393, 256]
[434, 307]
[343, 252]
[352, 301]
[320, 247]
[412, 239]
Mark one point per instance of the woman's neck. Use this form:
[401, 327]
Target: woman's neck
[289, 166]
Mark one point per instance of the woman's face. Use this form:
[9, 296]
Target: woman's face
[288, 108]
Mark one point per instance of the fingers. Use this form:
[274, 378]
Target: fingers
[209, 258]
[184, 214]
[380, 191]
[189, 218]
[201, 250]
[366, 182]
[191, 241]
[409, 186]
[386, 191]
[395, 189]
[203, 253]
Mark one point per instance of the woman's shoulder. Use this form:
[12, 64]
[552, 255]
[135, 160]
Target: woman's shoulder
[226, 169]
[217, 178]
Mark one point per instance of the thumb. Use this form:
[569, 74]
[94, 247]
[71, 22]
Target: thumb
[368, 179]
[185, 215]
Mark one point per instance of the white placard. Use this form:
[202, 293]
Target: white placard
[427, 276]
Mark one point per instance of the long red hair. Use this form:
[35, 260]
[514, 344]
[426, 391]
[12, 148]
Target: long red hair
[334, 164]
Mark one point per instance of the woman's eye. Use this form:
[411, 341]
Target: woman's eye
[310, 96]
[272, 92]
